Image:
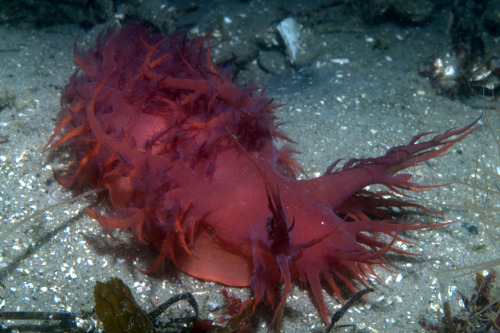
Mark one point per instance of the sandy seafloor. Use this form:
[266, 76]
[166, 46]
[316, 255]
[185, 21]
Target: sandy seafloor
[358, 109]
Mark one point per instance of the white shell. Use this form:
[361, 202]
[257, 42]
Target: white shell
[290, 33]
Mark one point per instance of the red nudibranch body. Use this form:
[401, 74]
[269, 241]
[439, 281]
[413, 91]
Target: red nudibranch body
[189, 165]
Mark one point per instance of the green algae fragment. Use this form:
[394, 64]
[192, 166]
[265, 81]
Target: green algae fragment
[116, 308]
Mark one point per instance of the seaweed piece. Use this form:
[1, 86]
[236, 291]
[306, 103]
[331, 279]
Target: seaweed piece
[32, 321]
[116, 308]
[340, 312]
[239, 322]
[481, 312]
[240, 313]
[154, 314]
